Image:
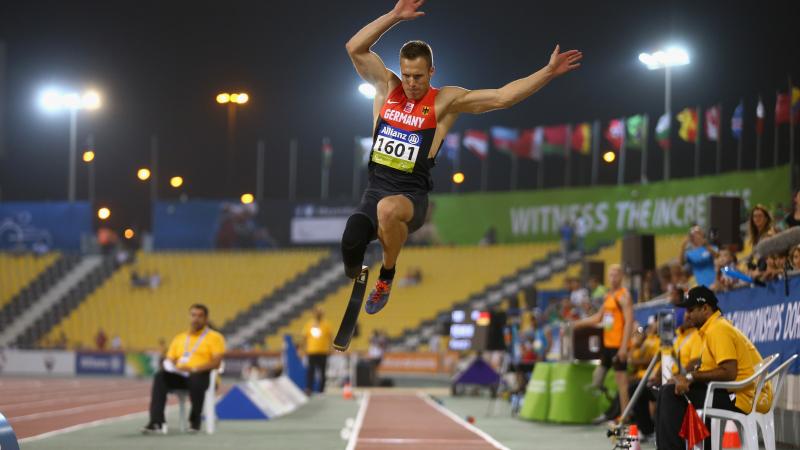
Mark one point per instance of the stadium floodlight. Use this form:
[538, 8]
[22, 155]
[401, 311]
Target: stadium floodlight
[367, 90]
[103, 213]
[176, 182]
[53, 99]
[671, 56]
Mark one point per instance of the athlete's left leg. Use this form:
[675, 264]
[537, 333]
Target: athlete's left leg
[394, 213]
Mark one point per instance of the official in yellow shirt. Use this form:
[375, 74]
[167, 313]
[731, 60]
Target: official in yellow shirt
[191, 357]
[317, 341]
[727, 355]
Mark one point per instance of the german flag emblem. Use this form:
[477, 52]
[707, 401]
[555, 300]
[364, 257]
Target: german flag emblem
[426, 110]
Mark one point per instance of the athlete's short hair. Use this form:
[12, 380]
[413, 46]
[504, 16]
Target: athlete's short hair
[417, 49]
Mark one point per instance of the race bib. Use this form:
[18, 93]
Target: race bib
[396, 148]
[608, 321]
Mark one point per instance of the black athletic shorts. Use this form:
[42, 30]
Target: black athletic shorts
[369, 207]
[608, 358]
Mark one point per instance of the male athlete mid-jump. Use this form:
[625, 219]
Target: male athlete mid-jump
[411, 119]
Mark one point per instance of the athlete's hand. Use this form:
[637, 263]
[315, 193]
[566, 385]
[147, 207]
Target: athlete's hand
[407, 9]
[561, 63]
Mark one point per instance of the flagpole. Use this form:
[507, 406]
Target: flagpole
[645, 126]
[697, 136]
[758, 136]
[260, 171]
[292, 169]
[622, 154]
[775, 139]
[357, 157]
[595, 150]
[719, 138]
[740, 144]
[456, 165]
[485, 172]
[791, 137]
[568, 156]
[513, 171]
[668, 110]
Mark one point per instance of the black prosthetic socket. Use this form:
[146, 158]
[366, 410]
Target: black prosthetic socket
[355, 239]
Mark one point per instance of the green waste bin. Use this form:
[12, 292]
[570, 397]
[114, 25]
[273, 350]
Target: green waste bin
[537, 396]
[572, 400]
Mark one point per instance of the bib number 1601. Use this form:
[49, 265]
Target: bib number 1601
[394, 148]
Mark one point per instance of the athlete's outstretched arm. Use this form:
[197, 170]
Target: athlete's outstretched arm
[367, 63]
[483, 100]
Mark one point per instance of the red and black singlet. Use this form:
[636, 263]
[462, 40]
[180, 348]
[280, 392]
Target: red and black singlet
[402, 143]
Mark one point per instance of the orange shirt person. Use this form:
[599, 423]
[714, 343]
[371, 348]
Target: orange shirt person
[616, 318]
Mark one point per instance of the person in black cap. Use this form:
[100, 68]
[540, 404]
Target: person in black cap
[727, 355]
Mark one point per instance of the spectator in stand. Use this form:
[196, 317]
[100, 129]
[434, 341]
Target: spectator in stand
[759, 225]
[664, 279]
[776, 265]
[699, 255]
[568, 311]
[793, 218]
[678, 276]
[100, 339]
[567, 232]
[725, 258]
[597, 291]
[794, 257]
[116, 343]
[578, 295]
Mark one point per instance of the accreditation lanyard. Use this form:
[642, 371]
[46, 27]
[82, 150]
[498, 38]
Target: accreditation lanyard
[188, 354]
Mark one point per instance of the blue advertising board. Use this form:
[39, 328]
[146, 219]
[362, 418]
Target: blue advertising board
[54, 225]
[98, 363]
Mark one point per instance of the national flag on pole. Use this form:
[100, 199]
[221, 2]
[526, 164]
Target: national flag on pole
[635, 126]
[555, 139]
[582, 138]
[760, 113]
[504, 138]
[365, 144]
[614, 133]
[688, 119]
[525, 145]
[662, 131]
[327, 152]
[452, 147]
[536, 144]
[712, 123]
[736, 121]
[796, 104]
[782, 109]
[477, 142]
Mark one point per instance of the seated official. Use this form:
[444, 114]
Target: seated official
[727, 355]
[191, 357]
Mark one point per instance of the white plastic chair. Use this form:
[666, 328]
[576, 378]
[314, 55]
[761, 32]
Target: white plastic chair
[766, 421]
[209, 404]
[749, 428]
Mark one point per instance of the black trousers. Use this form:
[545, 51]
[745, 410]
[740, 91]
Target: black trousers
[163, 382]
[316, 363]
[641, 409]
[671, 409]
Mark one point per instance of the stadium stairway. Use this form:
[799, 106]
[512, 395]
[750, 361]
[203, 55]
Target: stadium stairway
[507, 287]
[40, 284]
[57, 302]
[278, 308]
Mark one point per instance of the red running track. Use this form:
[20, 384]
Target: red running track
[409, 421]
[35, 406]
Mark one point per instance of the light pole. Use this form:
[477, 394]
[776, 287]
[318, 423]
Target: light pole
[233, 101]
[665, 59]
[56, 100]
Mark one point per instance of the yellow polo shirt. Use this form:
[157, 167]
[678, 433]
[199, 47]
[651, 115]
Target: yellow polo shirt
[211, 345]
[687, 346]
[724, 342]
[319, 337]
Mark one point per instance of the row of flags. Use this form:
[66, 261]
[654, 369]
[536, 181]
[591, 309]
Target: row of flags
[630, 132]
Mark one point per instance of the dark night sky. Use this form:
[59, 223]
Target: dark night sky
[160, 64]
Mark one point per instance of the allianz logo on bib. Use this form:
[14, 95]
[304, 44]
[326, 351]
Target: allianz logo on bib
[389, 131]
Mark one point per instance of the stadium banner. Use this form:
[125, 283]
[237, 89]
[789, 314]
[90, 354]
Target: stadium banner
[39, 226]
[609, 211]
[37, 362]
[228, 224]
[100, 363]
[769, 318]
[410, 362]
